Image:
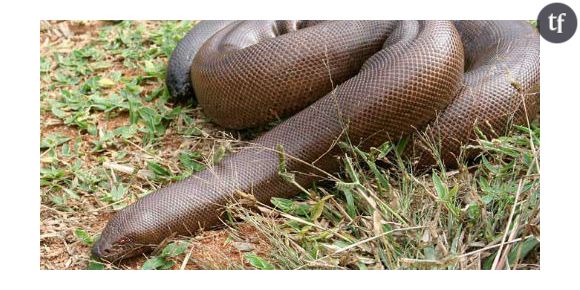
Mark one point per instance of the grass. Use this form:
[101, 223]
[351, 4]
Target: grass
[109, 136]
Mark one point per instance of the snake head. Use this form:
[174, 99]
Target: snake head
[115, 250]
[126, 235]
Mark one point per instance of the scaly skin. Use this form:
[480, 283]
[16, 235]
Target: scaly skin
[390, 78]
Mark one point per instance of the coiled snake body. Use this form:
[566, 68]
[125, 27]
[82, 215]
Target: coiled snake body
[372, 81]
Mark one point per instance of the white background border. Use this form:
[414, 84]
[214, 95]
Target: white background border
[19, 250]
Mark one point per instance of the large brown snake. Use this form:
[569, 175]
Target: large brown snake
[372, 81]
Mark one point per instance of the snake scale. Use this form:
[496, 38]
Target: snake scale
[372, 81]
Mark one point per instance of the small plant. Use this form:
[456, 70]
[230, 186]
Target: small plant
[258, 262]
[164, 261]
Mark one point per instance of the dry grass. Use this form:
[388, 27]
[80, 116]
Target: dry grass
[109, 136]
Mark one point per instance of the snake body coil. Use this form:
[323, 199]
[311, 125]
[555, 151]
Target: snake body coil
[372, 81]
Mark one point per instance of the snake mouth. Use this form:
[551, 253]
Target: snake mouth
[118, 252]
[96, 251]
[103, 254]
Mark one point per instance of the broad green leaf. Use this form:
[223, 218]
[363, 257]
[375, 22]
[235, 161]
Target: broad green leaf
[157, 263]
[53, 140]
[523, 248]
[258, 262]
[290, 206]
[439, 187]
[118, 192]
[350, 207]
[316, 210]
[189, 161]
[174, 249]
[83, 236]
[158, 169]
[94, 265]
[106, 83]
[58, 200]
[71, 193]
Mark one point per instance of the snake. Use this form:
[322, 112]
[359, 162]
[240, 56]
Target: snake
[324, 83]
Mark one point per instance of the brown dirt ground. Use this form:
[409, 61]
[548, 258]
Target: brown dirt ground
[59, 248]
